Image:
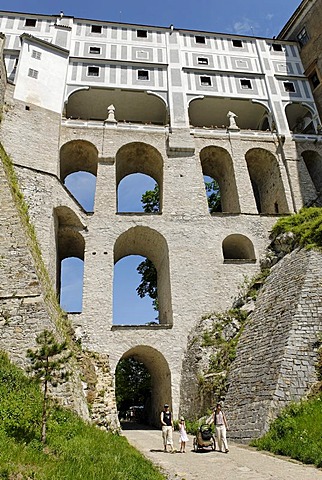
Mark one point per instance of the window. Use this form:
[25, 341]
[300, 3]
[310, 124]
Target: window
[244, 83]
[277, 47]
[205, 81]
[36, 54]
[96, 29]
[93, 71]
[30, 22]
[95, 50]
[200, 39]
[142, 33]
[237, 43]
[314, 79]
[203, 61]
[303, 37]
[143, 75]
[289, 86]
[32, 73]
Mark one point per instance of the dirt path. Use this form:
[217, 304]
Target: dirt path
[241, 463]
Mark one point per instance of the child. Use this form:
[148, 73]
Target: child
[183, 435]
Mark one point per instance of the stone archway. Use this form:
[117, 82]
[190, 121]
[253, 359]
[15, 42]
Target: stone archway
[313, 163]
[139, 157]
[216, 163]
[238, 248]
[150, 244]
[160, 373]
[266, 180]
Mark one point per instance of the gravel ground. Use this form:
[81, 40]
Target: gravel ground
[241, 463]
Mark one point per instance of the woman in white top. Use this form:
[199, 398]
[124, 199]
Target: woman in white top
[219, 419]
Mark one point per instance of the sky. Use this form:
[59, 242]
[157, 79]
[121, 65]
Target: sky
[261, 18]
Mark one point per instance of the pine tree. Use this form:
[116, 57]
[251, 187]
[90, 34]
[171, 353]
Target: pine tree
[48, 366]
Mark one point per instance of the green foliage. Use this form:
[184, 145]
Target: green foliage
[133, 384]
[306, 226]
[16, 390]
[48, 366]
[148, 285]
[151, 200]
[74, 449]
[213, 196]
[297, 432]
[149, 276]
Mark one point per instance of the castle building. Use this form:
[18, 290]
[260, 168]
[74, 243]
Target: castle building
[304, 28]
[114, 99]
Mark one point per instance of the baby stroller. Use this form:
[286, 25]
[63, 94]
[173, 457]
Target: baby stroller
[204, 438]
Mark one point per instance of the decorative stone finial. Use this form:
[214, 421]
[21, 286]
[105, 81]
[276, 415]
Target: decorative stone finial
[232, 121]
[110, 115]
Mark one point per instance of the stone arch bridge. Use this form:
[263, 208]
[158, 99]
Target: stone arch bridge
[201, 258]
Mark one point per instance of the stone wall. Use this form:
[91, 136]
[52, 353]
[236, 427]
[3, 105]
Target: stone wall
[276, 353]
[3, 73]
[26, 304]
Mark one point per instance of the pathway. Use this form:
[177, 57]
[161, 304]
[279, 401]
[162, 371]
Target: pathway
[241, 463]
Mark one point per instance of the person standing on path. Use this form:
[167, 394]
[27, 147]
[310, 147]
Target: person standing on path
[167, 428]
[183, 435]
[220, 422]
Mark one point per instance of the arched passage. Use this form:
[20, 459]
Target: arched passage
[313, 163]
[79, 159]
[139, 157]
[238, 248]
[159, 370]
[217, 164]
[299, 118]
[69, 241]
[266, 181]
[130, 105]
[149, 243]
[212, 112]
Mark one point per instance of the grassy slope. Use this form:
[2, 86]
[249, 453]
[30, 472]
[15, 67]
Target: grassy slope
[297, 432]
[74, 450]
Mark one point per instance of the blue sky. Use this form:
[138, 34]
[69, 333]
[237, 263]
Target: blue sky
[246, 17]
[264, 18]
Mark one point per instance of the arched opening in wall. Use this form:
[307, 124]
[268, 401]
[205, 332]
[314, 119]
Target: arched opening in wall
[217, 164]
[130, 106]
[135, 292]
[82, 186]
[135, 158]
[71, 284]
[157, 373]
[238, 249]
[70, 248]
[212, 112]
[132, 391]
[138, 193]
[265, 177]
[213, 194]
[299, 118]
[150, 244]
[78, 171]
[313, 163]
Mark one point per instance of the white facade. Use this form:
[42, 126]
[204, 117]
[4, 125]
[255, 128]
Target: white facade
[187, 70]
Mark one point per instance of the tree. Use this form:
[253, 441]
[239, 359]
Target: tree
[148, 285]
[151, 200]
[213, 196]
[133, 384]
[48, 366]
